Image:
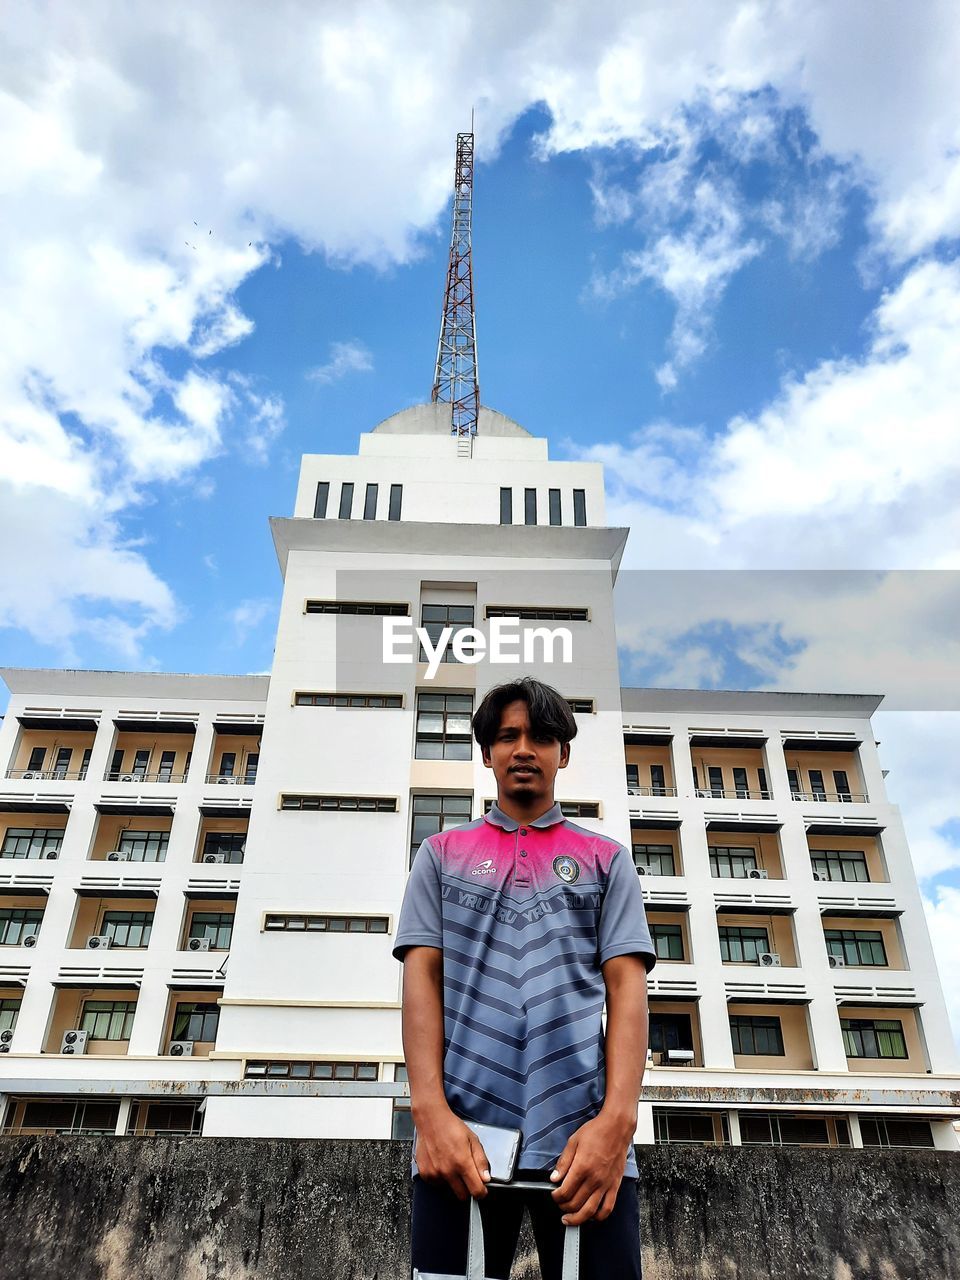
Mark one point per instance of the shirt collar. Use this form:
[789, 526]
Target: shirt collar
[497, 818]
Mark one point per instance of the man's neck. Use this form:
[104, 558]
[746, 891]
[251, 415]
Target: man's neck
[525, 813]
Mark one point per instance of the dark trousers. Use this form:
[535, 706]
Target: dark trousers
[609, 1250]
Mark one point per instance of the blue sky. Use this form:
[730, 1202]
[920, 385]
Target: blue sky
[715, 249]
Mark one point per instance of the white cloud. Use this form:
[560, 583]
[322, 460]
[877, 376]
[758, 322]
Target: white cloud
[344, 358]
[247, 616]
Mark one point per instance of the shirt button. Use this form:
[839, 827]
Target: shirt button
[523, 853]
[523, 831]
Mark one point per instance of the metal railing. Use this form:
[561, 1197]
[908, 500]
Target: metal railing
[831, 797]
[235, 779]
[48, 775]
[651, 791]
[732, 793]
[132, 775]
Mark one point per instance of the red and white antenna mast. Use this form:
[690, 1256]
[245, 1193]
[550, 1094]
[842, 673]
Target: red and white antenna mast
[456, 381]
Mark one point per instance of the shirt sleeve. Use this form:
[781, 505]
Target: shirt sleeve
[421, 917]
[623, 919]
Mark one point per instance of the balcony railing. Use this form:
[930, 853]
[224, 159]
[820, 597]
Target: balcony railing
[236, 779]
[651, 791]
[732, 793]
[831, 797]
[48, 775]
[116, 775]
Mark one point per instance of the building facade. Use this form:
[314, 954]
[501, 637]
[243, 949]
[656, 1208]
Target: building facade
[200, 875]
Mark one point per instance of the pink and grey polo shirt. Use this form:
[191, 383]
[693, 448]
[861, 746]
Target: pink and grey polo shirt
[525, 917]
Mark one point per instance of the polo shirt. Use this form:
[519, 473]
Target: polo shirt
[525, 917]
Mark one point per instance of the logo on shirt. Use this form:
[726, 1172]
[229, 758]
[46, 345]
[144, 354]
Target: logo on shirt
[485, 868]
[567, 868]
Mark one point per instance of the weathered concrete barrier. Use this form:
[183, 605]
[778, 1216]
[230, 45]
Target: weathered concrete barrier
[255, 1209]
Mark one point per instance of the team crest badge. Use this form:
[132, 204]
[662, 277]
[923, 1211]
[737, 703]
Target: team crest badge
[567, 868]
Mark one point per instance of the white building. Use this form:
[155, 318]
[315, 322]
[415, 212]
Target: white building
[203, 873]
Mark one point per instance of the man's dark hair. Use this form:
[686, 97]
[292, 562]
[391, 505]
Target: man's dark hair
[549, 712]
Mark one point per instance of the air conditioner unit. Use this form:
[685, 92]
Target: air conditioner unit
[4, 1048]
[769, 960]
[29, 941]
[756, 874]
[224, 779]
[50, 854]
[6, 1035]
[74, 1042]
[642, 871]
[181, 1048]
[836, 962]
[214, 857]
[680, 1057]
[118, 855]
[99, 941]
[126, 777]
[818, 875]
[29, 777]
[198, 944]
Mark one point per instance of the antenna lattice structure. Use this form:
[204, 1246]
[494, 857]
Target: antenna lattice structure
[456, 381]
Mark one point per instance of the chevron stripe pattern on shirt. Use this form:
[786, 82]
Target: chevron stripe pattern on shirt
[525, 917]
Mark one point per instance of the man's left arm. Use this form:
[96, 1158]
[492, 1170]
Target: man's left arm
[590, 1168]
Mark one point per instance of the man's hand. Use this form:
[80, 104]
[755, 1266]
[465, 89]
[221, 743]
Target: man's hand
[449, 1151]
[590, 1170]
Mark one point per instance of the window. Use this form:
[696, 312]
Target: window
[141, 762]
[127, 928]
[402, 1124]
[873, 1038]
[506, 506]
[250, 766]
[167, 761]
[348, 700]
[144, 846]
[18, 923]
[169, 1119]
[396, 501]
[320, 501]
[580, 506]
[61, 763]
[757, 1035]
[693, 1128]
[529, 506]
[580, 808]
[670, 1031]
[286, 1070]
[857, 946]
[658, 784]
[654, 859]
[532, 614]
[360, 804]
[433, 814]
[742, 944]
[55, 1116]
[762, 779]
[434, 617]
[37, 757]
[733, 863]
[816, 785]
[842, 786]
[108, 1019]
[443, 726]
[837, 864]
[228, 762]
[346, 500]
[793, 778]
[715, 775]
[581, 706]
[878, 1131]
[667, 941]
[370, 503]
[116, 766]
[363, 608]
[31, 842]
[232, 844]
[325, 924]
[9, 1009]
[217, 926]
[555, 517]
[195, 1021]
[757, 1129]
[85, 762]
[633, 776]
[740, 784]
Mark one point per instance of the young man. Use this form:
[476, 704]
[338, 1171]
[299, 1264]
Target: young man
[515, 930]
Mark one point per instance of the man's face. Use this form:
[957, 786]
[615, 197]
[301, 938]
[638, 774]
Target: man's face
[524, 763]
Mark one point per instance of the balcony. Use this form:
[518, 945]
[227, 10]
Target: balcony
[234, 756]
[163, 775]
[825, 776]
[47, 775]
[230, 779]
[731, 793]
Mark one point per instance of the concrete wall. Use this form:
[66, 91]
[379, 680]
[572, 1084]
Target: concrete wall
[235, 1209]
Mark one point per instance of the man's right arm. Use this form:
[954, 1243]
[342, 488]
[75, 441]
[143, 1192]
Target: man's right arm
[447, 1149]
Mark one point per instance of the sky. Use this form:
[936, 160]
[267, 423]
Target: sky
[715, 248]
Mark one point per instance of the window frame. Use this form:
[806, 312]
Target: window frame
[453, 744]
[747, 1028]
